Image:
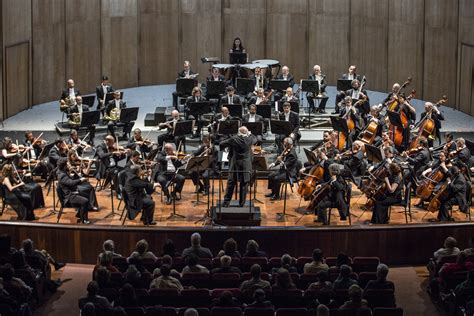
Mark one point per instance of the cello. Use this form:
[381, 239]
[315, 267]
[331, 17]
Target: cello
[426, 187]
[308, 185]
[319, 195]
[393, 103]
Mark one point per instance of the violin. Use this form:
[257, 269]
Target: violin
[17, 148]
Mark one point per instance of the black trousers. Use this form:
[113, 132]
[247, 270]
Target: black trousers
[322, 103]
[380, 213]
[339, 97]
[205, 175]
[87, 190]
[148, 210]
[332, 202]
[275, 179]
[164, 179]
[82, 203]
[231, 183]
[127, 127]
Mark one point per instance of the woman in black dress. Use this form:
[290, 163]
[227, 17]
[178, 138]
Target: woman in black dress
[393, 195]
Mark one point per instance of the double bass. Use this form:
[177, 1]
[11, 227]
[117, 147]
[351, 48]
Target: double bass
[397, 131]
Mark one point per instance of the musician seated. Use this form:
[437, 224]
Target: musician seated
[110, 154]
[68, 96]
[294, 119]
[39, 167]
[75, 142]
[168, 173]
[441, 165]
[288, 169]
[259, 98]
[205, 149]
[112, 116]
[253, 117]
[58, 151]
[139, 197]
[456, 194]
[322, 160]
[196, 96]
[224, 116]
[418, 158]
[169, 125]
[349, 112]
[101, 92]
[23, 197]
[138, 143]
[81, 167]
[285, 75]
[75, 111]
[354, 162]
[310, 96]
[379, 119]
[393, 194]
[230, 97]
[350, 75]
[69, 186]
[463, 160]
[260, 82]
[289, 96]
[335, 198]
[186, 73]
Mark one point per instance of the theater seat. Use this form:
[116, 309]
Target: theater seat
[135, 311]
[365, 264]
[292, 312]
[225, 280]
[247, 262]
[166, 297]
[226, 311]
[380, 298]
[202, 311]
[195, 298]
[381, 311]
[250, 311]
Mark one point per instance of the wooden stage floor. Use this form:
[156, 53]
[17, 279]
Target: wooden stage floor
[269, 210]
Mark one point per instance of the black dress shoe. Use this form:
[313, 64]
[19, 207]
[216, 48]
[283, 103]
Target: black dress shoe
[335, 112]
[95, 209]
[85, 221]
[151, 223]
[275, 197]
[59, 265]
[322, 112]
[168, 200]
[225, 204]
[269, 195]
[178, 196]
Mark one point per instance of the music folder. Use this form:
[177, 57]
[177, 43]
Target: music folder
[237, 58]
[256, 128]
[280, 84]
[310, 86]
[344, 84]
[280, 127]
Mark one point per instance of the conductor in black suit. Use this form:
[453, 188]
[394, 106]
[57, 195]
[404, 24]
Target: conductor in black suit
[253, 117]
[186, 73]
[350, 75]
[101, 91]
[70, 91]
[139, 195]
[230, 97]
[240, 164]
[294, 119]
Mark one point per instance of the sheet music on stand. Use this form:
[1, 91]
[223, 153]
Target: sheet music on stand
[110, 96]
[182, 128]
[344, 84]
[256, 128]
[238, 58]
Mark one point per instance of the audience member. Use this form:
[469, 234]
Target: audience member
[449, 249]
[191, 312]
[14, 286]
[127, 297]
[322, 283]
[132, 275]
[230, 249]
[381, 282]
[317, 264]
[103, 278]
[166, 281]
[166, 259]
[283, 280]
[355, 299]
[464, 291]
[120, 311]
[226, 300]
[253, 250]
[22, 270]
[109, 245]
[88, 310]
[461, 264]
[193, 266]
[6, 249]
[259, 300]
[169, 249]
[255, 282]
[342, 258]
[470, 251]
[43, 256]
[322, 310]
[105, 260]
[344, 280]
[226, 266]
[286, 263]
[141, 251]
[92, 296]
[196, 248]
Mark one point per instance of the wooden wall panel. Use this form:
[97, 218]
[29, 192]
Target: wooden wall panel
[201, 33]
[441, 23]
[286, 40]
[17, 75]
[120, 42]
[466, 80]
[158, 41]
[83, 62]
[49, 55]
[368, 37]
[329, 37]
[465, 41]
[405, 43]
[244, 19]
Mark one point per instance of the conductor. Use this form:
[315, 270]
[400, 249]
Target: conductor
[240, 163]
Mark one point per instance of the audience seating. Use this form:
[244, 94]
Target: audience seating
[287, 298]
[247, 262]
[365, 264]
[225, 280]
[135, 311]
[380, 298]
[166, 297]
[195, 298]
[301, 261]
[292, 312]
[197, 279]
[383, 311]
[259, 312]
[226, 311]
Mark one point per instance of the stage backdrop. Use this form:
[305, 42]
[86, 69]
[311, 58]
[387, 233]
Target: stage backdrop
[143, 42]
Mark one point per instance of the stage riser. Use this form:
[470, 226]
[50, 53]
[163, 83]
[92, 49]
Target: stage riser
[395, 245]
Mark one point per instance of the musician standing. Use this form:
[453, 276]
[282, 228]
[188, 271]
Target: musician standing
[112, 114]
[310, 96]
[186, 73]
[168, 173]
[139, 196]
[394, 186]
[101, 93]
[240, 164]
[433, 112]
[288, 163]
[457, 191]
[169, 125]
[69, 187]
[294, 119]
[336, 198]
[350, 75]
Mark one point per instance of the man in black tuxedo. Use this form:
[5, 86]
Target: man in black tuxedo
[456, 194]
[117, 103]
[310, 96]
[230, 97]
[109, 156]
[70, 91]
[285, 75]
[349, 110]
[432, 111]
[101, 91]
[169, 125]
[294, 119]
[214, 76]
[259, 81]
[252, 117]
[364, 106]
[224, 116]
[288, 167]
[168, 171]
[139, 196]
[69, 188]
[186, 73]
[196, 96]
[350, 75]
[259, 98]
[58, 151]
[240, 164]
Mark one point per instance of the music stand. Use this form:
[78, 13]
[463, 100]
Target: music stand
[339, 124]
[245, 85]
[264, 110]
[197, 109]
[280, 127]
[89, 118]
[89, 100]
[237, 58]
[259, 163]
[374, 153]
[198, 164]
[256, 128]
[228, 127]
[152, 154]
[310, 86]
[182, 128]
[184, 86]
[110, 96]
[344, 84]
[128, 115]
[280, 84]
[295, 107]
[215, 87]
[235, 110]
[310, 156]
